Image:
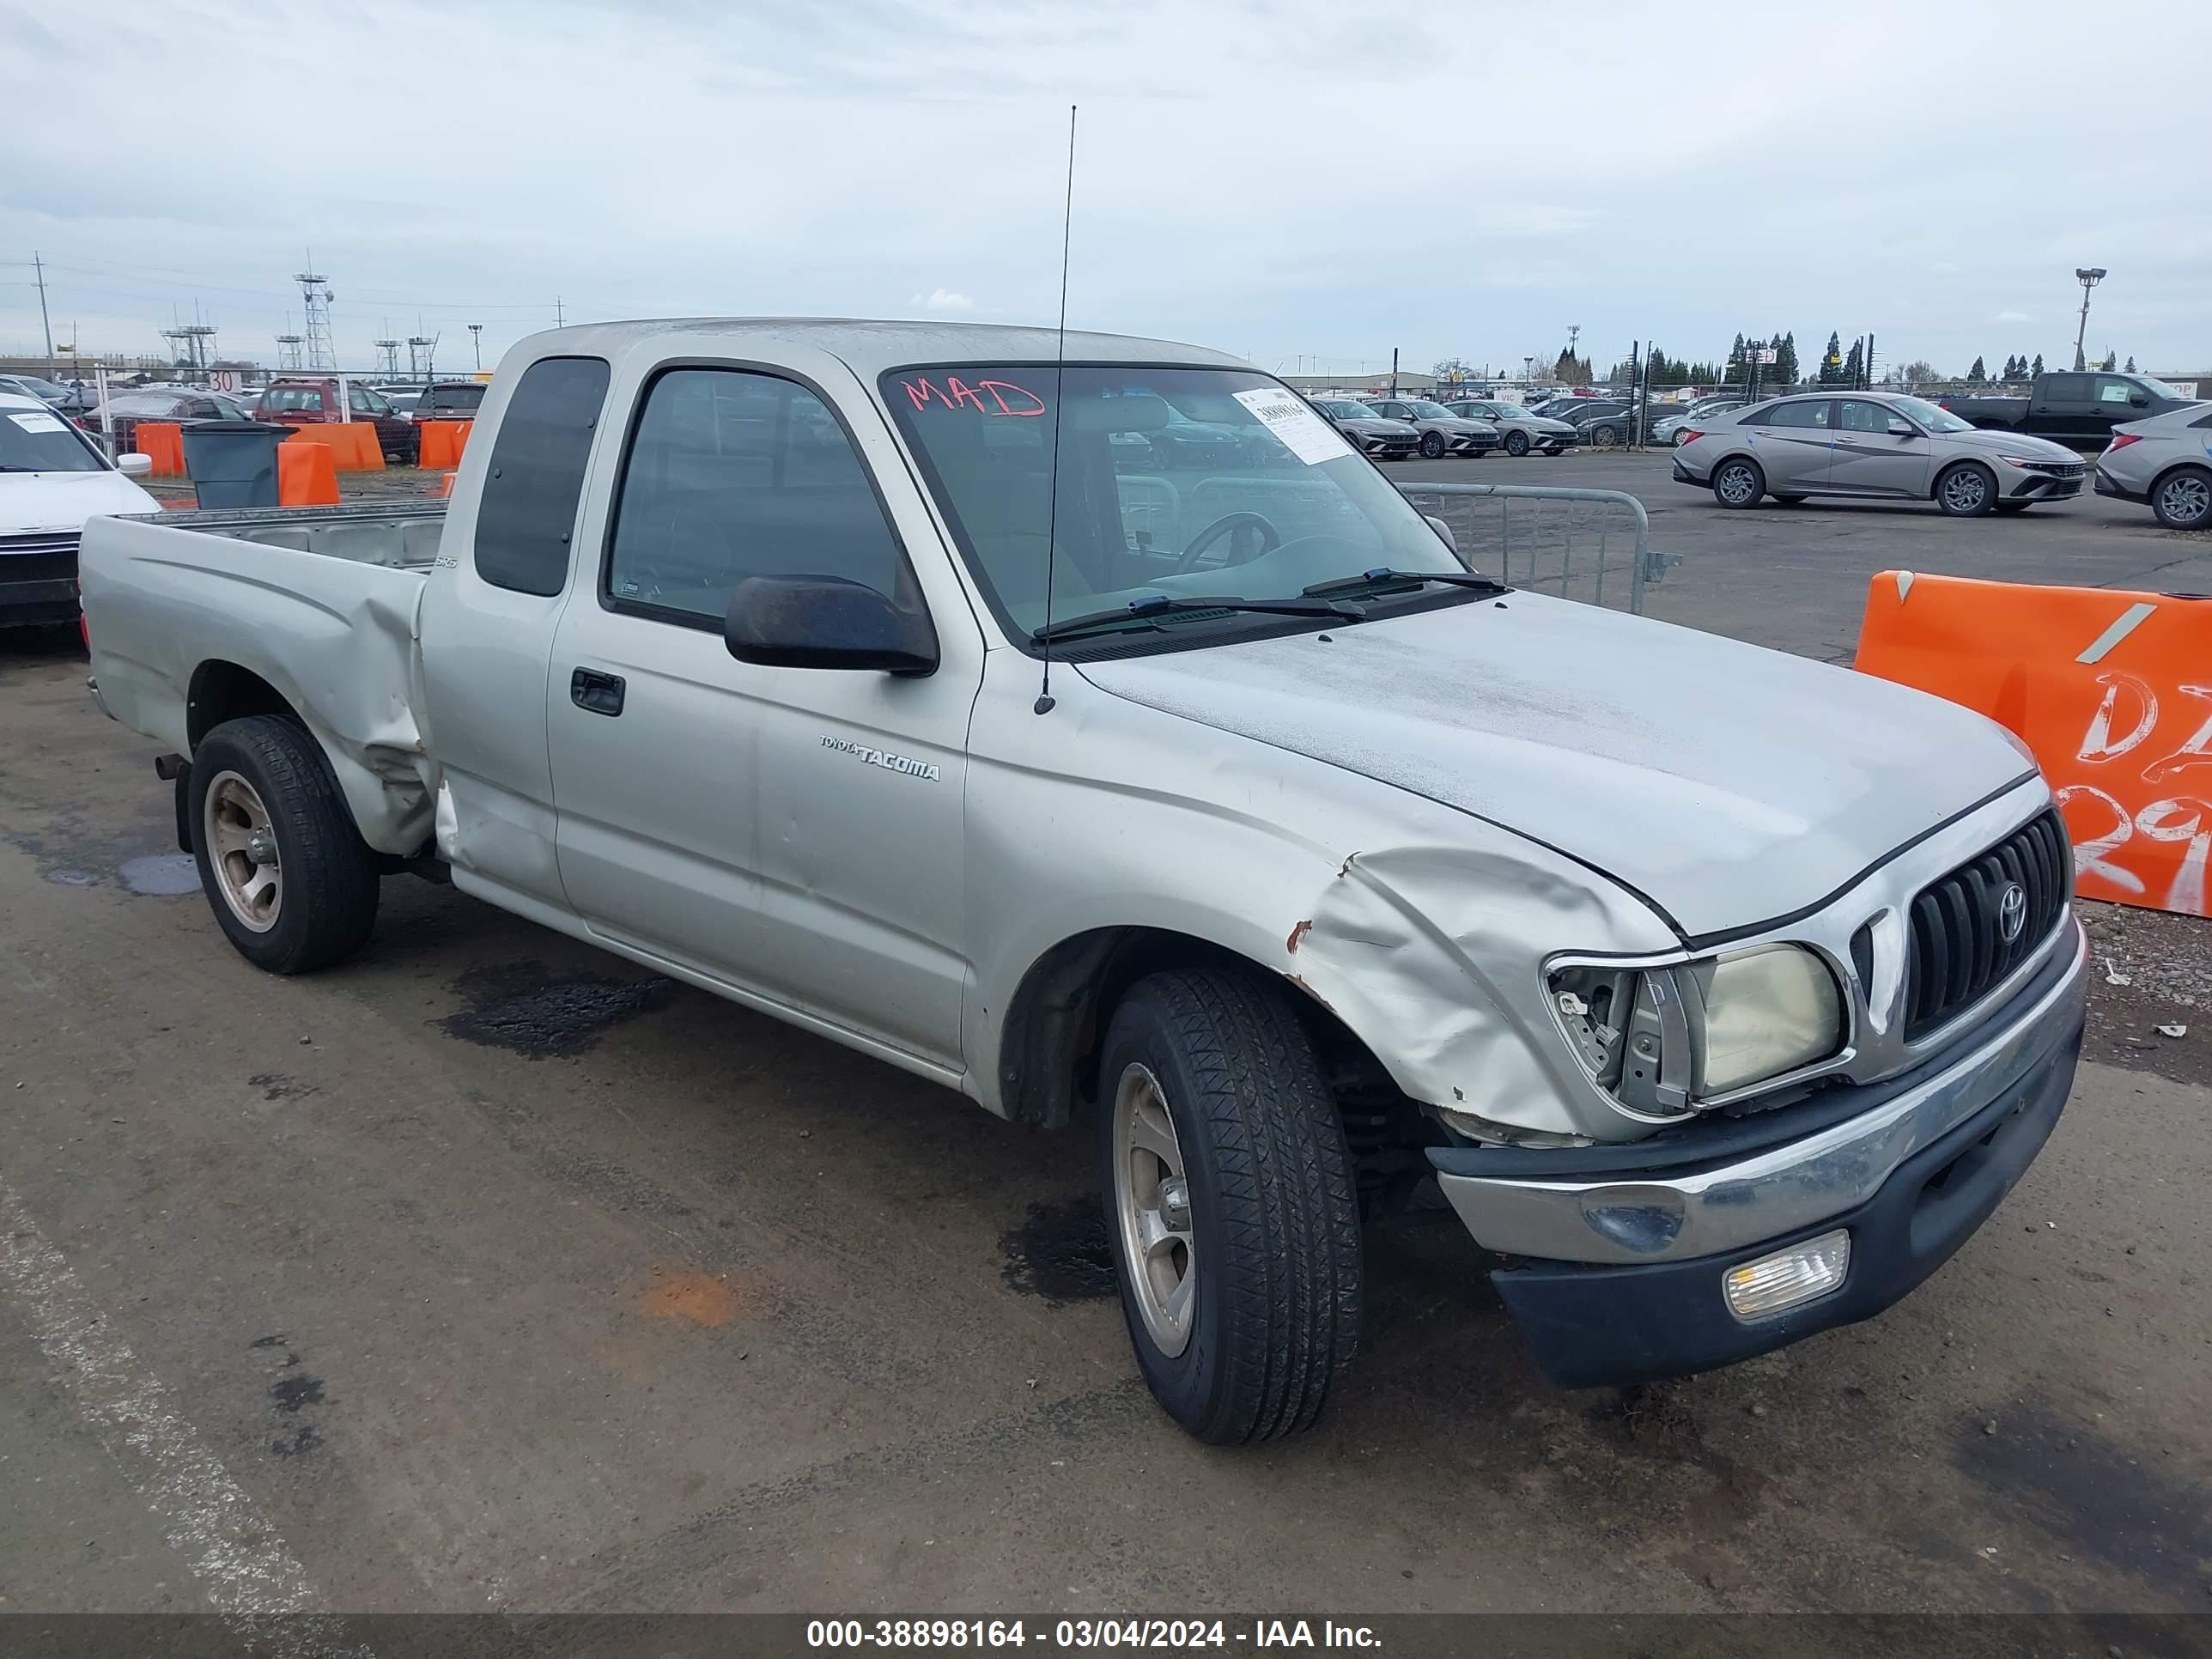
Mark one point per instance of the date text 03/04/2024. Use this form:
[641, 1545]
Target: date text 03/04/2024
[1169, 1633]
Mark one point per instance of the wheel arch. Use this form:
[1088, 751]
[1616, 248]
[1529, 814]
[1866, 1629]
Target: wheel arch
[221, 691]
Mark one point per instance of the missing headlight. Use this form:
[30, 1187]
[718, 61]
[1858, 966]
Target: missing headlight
[1629, 1030]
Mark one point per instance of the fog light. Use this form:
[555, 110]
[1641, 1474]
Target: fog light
[1788, 1276]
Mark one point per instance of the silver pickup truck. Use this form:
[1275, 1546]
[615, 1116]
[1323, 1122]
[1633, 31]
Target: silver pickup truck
[1099, 735]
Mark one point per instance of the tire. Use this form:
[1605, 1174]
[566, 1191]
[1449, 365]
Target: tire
[1603, 437]
[2182, 499]
[1738, 483]
[1966, 490]
[263, 799]
[1432, 445]
[1269, 1279]
[1516, 444]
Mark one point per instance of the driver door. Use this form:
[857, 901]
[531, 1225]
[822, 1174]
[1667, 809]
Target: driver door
[1870, 459]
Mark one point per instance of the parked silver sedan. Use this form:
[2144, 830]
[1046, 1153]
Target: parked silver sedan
[1880, 445]
[2166, 463]
[1524, 430]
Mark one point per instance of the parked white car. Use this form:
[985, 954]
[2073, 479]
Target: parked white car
[51, 480]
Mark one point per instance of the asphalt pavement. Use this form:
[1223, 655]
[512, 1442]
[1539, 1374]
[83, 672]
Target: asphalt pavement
[487, 1272]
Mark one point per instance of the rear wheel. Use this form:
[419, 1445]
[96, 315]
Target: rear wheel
[292, 884]
[1604, 437]
[1516, 444]
[1967, 490]
[1230, 1206]
[1738, 483]
[2183, 499]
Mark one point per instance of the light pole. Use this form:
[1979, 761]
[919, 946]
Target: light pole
[2088, 277]
[476, 339]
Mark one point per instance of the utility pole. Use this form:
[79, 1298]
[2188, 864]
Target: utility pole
[39, 267]
[559, 321]
[1394, 371]
[2088, 277]
[476, 339]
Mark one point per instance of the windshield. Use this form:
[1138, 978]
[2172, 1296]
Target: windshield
[1430, 411]
[1513, 411]
[2161, 389]
[32, 441]
[1935, 419]
[1347, 412]
[1285, 505]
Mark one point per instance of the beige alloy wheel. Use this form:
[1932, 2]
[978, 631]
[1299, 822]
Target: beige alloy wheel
[1152, 1199]
[241, 847]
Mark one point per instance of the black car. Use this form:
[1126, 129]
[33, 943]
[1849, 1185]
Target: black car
[449, 400]
[184, 406]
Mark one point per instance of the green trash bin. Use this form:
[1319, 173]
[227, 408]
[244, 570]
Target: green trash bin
[233, 463]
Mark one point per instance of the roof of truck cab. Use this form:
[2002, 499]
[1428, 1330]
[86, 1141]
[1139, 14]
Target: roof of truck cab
[870, 348]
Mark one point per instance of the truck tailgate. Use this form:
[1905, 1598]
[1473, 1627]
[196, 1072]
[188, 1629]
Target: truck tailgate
[331, 631]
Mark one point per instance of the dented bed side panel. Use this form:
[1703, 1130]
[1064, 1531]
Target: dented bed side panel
[1422, 929]
[334, 635]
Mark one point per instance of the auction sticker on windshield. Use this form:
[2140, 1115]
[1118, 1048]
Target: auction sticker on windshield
[37, 423]
[1303, 433]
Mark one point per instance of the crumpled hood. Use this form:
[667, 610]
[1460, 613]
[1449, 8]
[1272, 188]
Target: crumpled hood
[63, 500]
[1727, 784]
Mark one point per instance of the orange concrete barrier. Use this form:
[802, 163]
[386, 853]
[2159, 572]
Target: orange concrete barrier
[442, 442]
[164, 442]
[307, 476]
[353, 444]
[445, 489]
[2113, 692]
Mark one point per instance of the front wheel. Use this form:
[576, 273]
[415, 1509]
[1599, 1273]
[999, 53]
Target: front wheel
[1516, 444]
[1231, 1205]
[1432, 445]
[292, 884]
[1738, 483]
[2182, 500]
[1967, 490]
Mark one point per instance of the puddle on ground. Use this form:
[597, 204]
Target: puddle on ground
[525, 1009]
[72, 878]
[1060, 1252]
[161, 875]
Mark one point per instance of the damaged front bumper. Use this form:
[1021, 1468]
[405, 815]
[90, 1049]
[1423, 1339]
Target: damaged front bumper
[1618, 1256]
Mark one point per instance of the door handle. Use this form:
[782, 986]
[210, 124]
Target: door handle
[597, 693]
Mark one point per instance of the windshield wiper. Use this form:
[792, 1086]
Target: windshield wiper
[1146, 611]
[1383, 579]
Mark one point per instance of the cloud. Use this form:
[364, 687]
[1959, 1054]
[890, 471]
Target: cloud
[1944, 268]
[2010, 317]
[942, 298]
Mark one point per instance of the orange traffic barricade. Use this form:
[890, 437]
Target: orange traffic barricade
[2111, 690]
[307, 476]
[353, 445]
[442, 443]
[163, 442]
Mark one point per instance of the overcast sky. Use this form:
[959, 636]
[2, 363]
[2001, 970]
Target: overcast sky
[1300, 181]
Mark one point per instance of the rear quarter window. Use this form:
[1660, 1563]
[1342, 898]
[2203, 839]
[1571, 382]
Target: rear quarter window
[526, 514]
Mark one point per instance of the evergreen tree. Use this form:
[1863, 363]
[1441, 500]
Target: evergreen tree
[2131, 362]
[2111, 361]
[1855, 364]
[1977, 375]
[1831, 361]
[2036, 367]
[2012, 368]
[1785, 369]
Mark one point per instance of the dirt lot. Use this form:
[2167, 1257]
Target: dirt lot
[485, 1273]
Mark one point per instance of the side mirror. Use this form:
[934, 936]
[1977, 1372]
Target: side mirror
[134, 466]
[1444, 530]
[1900, 429]
[2141, 400]
[825, 622]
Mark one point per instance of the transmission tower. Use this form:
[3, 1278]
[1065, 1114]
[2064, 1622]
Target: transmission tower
[389, 351]
[288, 351]
[190, 344]
[427, 345]
[315, 294]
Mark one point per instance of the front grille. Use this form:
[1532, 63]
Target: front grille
[2059, 469]
[47, 557]
[1959, 950]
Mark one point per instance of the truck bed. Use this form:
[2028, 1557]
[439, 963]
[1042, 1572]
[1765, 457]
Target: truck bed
[319, 604]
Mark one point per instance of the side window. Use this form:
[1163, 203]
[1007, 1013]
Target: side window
[2066, 389]
[527, 512]
[1864, 417]
[2201, 424]
[1812, 413]
[734, 474]
[2110, 390]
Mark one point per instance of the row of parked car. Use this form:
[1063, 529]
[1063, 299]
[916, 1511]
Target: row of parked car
[1395, 428]
[289, 401]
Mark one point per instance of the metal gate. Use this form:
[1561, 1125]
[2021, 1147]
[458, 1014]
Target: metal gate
[1593, 545]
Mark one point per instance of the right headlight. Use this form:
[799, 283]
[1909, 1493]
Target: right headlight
[1664, 1040]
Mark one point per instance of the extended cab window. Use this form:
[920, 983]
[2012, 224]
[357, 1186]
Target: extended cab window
[733, 474]
[527, 511]
[2065, 388]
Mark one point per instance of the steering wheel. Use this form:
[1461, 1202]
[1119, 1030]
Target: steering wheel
[1270, 538]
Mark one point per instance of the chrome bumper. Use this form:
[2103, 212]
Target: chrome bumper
[1778, 1191]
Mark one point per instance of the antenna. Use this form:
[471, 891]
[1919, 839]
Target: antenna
[1044, 702]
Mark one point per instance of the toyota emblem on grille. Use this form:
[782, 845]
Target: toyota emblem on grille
[2012, 911]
